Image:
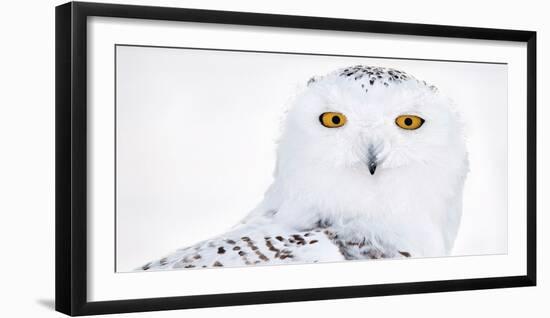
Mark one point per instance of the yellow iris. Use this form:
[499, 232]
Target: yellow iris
[332, 119]
[409, 122]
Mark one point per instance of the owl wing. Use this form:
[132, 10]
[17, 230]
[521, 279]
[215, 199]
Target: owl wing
[253, 245]
[272, 245]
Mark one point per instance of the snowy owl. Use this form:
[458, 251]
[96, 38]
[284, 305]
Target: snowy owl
[371, 164]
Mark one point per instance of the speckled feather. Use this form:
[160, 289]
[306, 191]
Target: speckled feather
[251, 246]
[375, 75]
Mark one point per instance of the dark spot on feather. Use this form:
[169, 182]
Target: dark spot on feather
[283, 256]
[299, 240]
[358, 244]
[406, 254]
[342, 249]
[330, 234]
[323, 223]
[280, 238]
[245, 238]
[146, 266]
[242, 253]
[272, 248]
[163, 261]
[252, 246]
[189, 266]
[197, 256]
[221, 250]
[231, 242]
[236, 248]
[262, 256]
[313, 241]
[217, 264]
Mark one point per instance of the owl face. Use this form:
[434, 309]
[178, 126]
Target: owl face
[371, 119]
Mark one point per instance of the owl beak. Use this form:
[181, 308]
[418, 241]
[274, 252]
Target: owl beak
[372, 166]
[372, 160]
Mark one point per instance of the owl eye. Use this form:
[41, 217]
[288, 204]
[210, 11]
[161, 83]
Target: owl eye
[409, 122]
[332, 120]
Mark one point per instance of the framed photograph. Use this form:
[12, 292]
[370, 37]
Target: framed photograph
[212, 158]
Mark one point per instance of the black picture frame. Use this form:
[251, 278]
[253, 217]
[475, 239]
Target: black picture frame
[71, 154]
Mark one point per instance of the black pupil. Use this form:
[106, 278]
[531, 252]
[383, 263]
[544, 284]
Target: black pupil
[408, 121]
[335, 120]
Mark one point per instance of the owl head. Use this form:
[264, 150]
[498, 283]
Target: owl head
[371, 119]
[372, 150]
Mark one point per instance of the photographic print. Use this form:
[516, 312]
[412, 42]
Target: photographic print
[233, 158]
[215, 158]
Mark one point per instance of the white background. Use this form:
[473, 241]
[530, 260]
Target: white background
[196, 134]
[27, 122]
